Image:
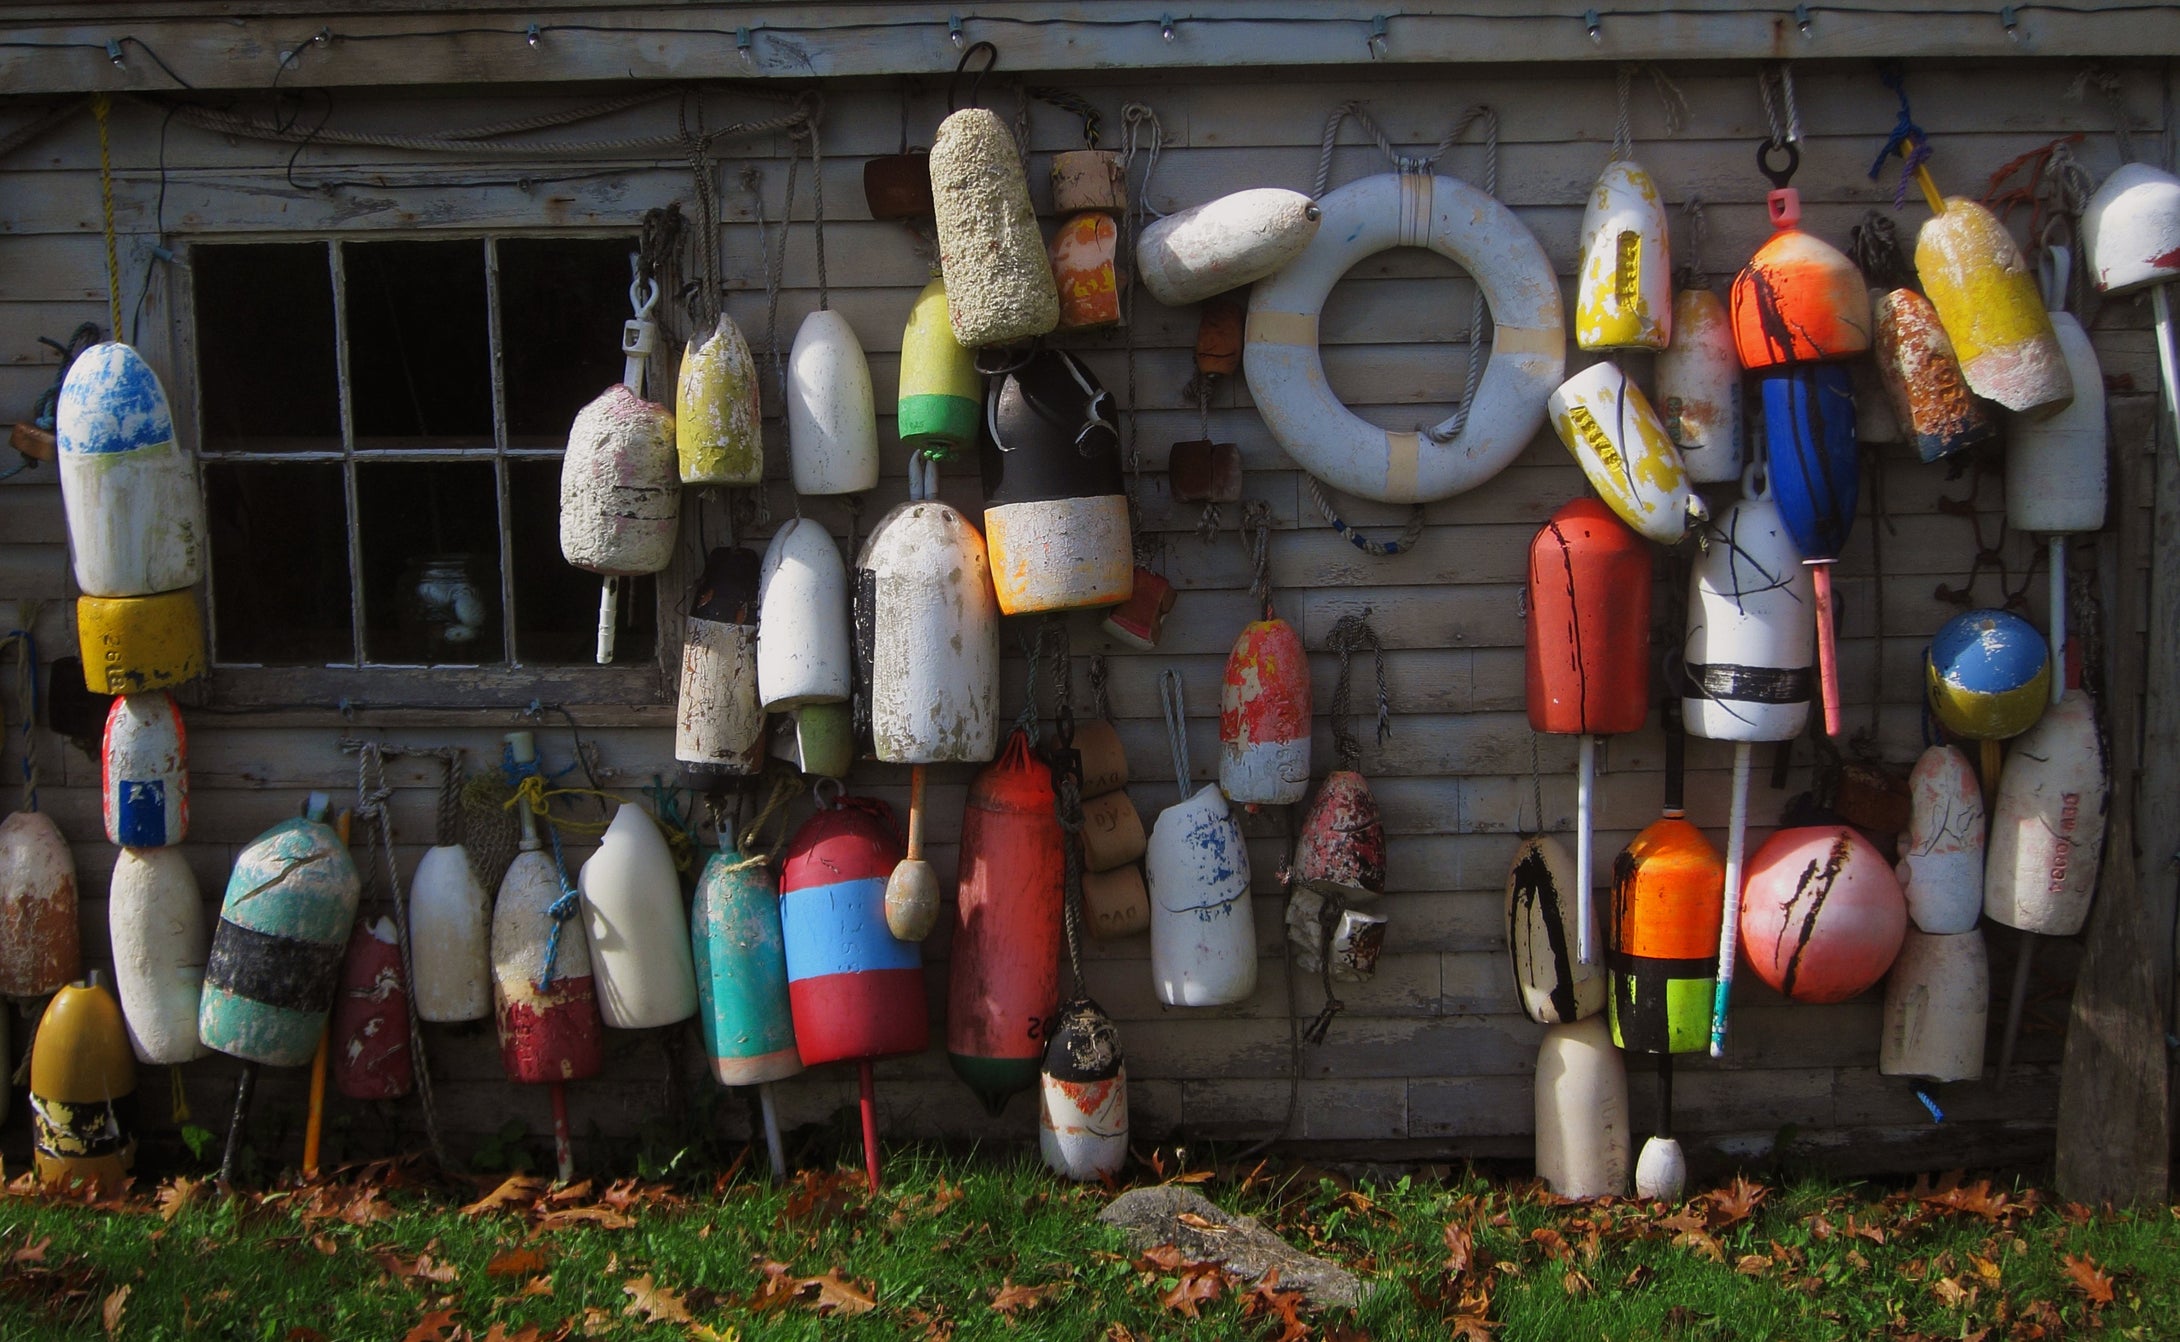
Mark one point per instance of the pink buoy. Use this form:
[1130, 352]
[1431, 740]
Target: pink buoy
[1822, 916]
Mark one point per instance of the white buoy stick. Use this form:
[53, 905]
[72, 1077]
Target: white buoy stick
[2168, 354]
[1729, 926]
[609, 614]
[1585, 913]
[772, 1132]
[2058, 617]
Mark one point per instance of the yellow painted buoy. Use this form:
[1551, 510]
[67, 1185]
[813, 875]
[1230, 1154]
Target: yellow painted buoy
[1624, 285]
[716, 433]
[82, 1079]
[1987, 299]
[942, 394]
[135, 643]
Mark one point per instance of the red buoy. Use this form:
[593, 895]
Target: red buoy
[1822, 917]
[1588, 643]
[856, 991]
[1343, 838]
[371, 1055]
[1003, 981]
[1264, 717]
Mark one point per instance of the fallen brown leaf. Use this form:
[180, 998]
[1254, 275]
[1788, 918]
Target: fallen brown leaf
[173, 1196]
[1752, 1265]
[515, 1191]
[109, 1312]
[1575, 1284]
[537, 1286]
[1733, 1204]
[1701, 1243]
[2091, 1280]
[515, 1263]
[1199, 1284]
[437, 1326]
[419, 1268]
[653, 1301]
[1950, 1293]
[605, 1218]
[839, 1295]
[1010, 1299]
[325, 1244]
[1460, 1248]
[31, 1253]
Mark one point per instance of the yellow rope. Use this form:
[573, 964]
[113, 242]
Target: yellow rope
[100, 106]
[532, 790]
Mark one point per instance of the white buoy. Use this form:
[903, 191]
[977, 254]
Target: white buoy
[41, 949]
[803, 652]
[1203, 921]
[1937, 1007]
[1583, 1144]
[1224, 244]
[832, 426]
[144, 772]
[129, 489]
[1082, 1108]
[2047, 825]
[1661, 1170]
[1555, 985]
[719, 725]
[620, 496]
[639, 938]
[1751, 649]
[1941, 855]
[1624, 281]
[450, 937]
[2131, 231]
[1699, 389]
[155, 914]
[1608, 425]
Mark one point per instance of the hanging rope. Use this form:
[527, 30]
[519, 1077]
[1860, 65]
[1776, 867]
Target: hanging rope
[1137, 120]
[1350, 634]
[372, 794]
[101, 107]
[2056, 190]
[756, 851]
[1776, 86]
[809, 129]
[1175, 711]
[1406, 541]
[528, 784]
[1669, 95]
[2114, 93]
[1256, 538]
[1906, 139]
[26, 701]
[705, 299]
[1067, 793]
[1101, 704]
[1874, 245]
[1699, 230]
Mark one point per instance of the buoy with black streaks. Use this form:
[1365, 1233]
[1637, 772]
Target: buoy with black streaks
[1822, 915]
[1554, 985]
[82, 1091]
[276, 954]
[1082, 1112]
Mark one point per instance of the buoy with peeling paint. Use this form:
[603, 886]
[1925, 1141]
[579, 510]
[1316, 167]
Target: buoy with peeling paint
[276, 954]
[620, 486]
[133, 644]
[1082, 1110]
[1624, 280]
[1941, 855]
[1937, 1007]
[1583, 1138]
[927, 637]
[40, 947]
[1987, 673]
[1264, 717]
[450, 922]
[1609, 426]
[942, 393]
[1223, 244]
[1342, 842]
[639, 942]
[740, 952]
[2047, 824]
[128, 487]
[1003, 970]
[2131, 229]
[1554, 985]
[1668, 896]
[804, 655]
[718, 436]
[998, 281]
[1089, 179]
[1055, 507]
[818, 739]
[1352, 942]
[155, 916]
[1923, 379]
[1799, 299]
[1203, 920]
[1085, 252]
[1699, 389]
[1986, 296]
[144, 772]
[832, 426]
[82, 1091]
[856, 990]
[719, 724]
[1822, 915]
[371, 1055]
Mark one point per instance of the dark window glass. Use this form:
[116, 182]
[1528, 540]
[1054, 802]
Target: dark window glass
[419, 347]
[431, 562]
[562, 305]
[267, 374]
[556, 604]
[279, 563]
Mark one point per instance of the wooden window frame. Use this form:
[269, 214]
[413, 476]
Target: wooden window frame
[388, 686]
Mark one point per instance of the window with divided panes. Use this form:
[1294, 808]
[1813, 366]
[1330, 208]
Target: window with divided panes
[381, 424]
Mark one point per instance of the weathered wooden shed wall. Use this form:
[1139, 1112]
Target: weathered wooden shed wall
[1433, 1057]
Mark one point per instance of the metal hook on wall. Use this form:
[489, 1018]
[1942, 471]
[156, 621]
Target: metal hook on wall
[953, 86]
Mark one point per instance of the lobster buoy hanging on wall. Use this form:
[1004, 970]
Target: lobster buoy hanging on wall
[639, 944]
[1937, 1007]
[718, 434]
[942, 393]
[371, 1055]
[1624, 281]
[156, 918]
[1085, 268]
[450, 943]
[1286, 369]
[1815, 465]
[1751, 648]
[131, 644]
[1799, 299]
[1986, 297]
[1264, 717]
[1822, 915]
[1055, 508]
[1941, 855]
[82, 1091]
[1082, 1112]
[40, 944]
[1203, 920]
[719, 725]
[1609, 426]
[741, 970]
[620, 486]
[804, 655]
[1584, 1137]
[856, 990]
[1003, 975]
[2056, 467]
[927, 636]
[276, 953]
[135, 516]
[998, 281]
[1668, 895]
[1988, 675]
[1555, 986]
[1206, 250]
[832, 425]
[1699, 389]
[2047, 826]
[1922, 377]
[544, 992]
[1342, 843]
[818, 739]
[144, 772]
[1089, 179]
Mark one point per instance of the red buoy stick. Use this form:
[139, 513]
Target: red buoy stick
[1827, 644]
[870, 1123]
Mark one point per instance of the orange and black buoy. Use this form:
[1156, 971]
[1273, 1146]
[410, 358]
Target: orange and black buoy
[1668, 896]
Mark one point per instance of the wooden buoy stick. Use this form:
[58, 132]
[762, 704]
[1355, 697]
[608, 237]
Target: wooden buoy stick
[869, 1100]
[1665, 1095]
[772, 1132]
[1993, 753]
[1584, 899]
[314, 1123]
[2168, 352]
[244, 1084]
[2016, 1004]
[1729, 926]
[563, 1144]
[2058, 616]
[1827, 645]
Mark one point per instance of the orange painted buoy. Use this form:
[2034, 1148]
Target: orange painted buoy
[1822, 917]
[1799, 299]
[1264, 717]
[1668, 897]
[1588, 644]
[1084, 252]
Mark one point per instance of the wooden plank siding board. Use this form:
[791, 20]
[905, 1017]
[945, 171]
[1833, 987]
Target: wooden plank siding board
[1430, 1059]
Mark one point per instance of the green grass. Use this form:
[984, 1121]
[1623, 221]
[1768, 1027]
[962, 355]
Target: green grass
[1812, 1260]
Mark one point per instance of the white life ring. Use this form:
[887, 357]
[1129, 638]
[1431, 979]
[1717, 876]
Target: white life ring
[1528, 350]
